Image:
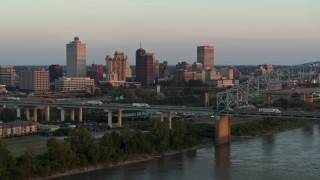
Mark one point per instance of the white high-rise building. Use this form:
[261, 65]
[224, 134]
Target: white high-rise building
[76, 58]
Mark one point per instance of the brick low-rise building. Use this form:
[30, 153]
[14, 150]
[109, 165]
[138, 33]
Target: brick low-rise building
[17, 128]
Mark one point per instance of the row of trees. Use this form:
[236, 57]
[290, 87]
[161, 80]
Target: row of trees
[285, 104]
[81, 149]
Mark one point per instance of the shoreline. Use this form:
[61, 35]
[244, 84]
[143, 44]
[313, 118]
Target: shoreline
[144, 157]
[138, 159]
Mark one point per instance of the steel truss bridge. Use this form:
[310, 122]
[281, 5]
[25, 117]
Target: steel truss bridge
[239, 95]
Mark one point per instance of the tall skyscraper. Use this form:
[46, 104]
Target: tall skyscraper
[144, 68]
[76, 58]
[118, 68]
[55, 72]
[205, 56]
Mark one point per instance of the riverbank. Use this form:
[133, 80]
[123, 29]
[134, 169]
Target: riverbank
[137, 159]
[256, 128]
[249, 129]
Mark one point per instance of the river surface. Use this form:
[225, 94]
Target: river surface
[294, 155]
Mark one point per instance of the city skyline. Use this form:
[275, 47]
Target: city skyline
[249, 32]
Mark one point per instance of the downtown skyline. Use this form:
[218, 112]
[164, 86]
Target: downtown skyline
[249, 32]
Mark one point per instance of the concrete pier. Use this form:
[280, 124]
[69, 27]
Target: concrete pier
[119, 117]
[80, 115]
[223, 129]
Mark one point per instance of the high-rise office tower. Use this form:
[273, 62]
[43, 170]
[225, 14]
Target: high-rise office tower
[205, 56]
[55, 72]
[118, 68]
[35, 79]
[76, 58]
[7, 76]
[144, 68]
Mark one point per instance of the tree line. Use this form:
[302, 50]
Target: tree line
[80, 149]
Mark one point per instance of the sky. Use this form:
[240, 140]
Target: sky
[243, 32]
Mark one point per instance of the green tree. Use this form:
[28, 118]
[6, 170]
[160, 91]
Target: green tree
[178, 134]
[8, 115]
[281, 102]
[60, 154]
[7, 161]
[160, 134]
[143, 143]
[110, 147]
[128, 142]
[84, 146]
[29, 163]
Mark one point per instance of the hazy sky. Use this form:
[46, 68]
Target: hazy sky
[242, 31]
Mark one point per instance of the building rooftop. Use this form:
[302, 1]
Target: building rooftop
[17, 124]
[141, 52]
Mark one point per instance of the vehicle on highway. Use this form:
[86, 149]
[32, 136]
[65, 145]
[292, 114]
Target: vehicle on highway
[14, 99]
[140, 105]
[94, 103]
[269, 110]
[247, 107]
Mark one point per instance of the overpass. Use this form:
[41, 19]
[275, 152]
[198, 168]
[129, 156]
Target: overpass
[78, 106]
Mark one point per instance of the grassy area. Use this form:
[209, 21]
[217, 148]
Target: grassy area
[269, 125]
[17, 145]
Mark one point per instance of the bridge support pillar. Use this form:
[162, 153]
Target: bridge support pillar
[80, 114]
[62, 114]
[269, 98]
[206, 99]
[48, 113]
[35, 114]
[170, 119]
[18, 112]
[28, 113]
[110, 119]
[72, 114]
[161, 116]
[223, 129]
[120, 117]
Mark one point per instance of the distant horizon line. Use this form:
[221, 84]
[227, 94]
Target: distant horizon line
[171, 65]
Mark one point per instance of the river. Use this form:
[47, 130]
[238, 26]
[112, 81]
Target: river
[293, 154]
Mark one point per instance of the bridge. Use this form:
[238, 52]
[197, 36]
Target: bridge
[239, 95]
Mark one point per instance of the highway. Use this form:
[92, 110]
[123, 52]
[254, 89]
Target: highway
[111, 106]
[158, 108]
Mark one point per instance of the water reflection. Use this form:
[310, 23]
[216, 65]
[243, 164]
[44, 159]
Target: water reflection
[222, 161]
